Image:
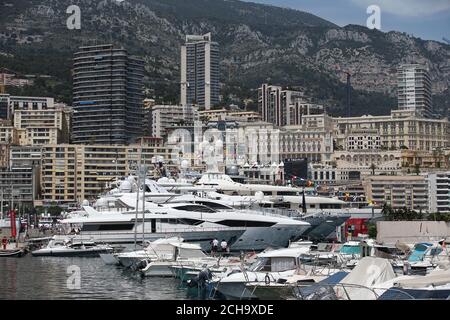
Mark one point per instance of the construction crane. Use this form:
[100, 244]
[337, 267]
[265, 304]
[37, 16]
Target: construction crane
[349, 87]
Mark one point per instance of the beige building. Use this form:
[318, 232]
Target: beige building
[72, 173]
[4, 154]
[380, 161]
[42, 123]
[423, 160]
[230, 115]
[398, 191]
[313, 139]
[163, 117]
[8, 134]
[399, 130]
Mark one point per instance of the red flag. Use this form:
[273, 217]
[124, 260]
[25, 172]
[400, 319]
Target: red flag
[12, 217]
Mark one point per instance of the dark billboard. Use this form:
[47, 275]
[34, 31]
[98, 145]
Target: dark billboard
[297, 168]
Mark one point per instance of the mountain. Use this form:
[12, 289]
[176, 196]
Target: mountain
[258, 43]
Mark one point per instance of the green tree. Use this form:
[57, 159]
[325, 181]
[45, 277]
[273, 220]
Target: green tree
[417, 169]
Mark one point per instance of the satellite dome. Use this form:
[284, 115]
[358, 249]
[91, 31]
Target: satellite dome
[184, 164]
[259, 195]
[233, 170]
[101, 203]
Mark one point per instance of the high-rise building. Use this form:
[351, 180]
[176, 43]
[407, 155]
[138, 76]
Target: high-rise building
[165, 116]
[284, 107]
[414, 89]
[107, 95]
[4, 106]
[439, 191]
[200, 71]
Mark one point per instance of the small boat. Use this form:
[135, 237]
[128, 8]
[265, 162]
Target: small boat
[182, 254]
[269, 266]
[434, 286]
[69, 249]
[160, 248]
[12, 253]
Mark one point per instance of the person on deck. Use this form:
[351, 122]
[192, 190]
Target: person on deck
[215, 246]
[224, 245]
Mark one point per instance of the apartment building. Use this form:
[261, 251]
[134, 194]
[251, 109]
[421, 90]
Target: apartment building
[4, 154]
[230, 115]
[200, 71]
[19, 186]
[398, 191]
[8, 134]
[164, 117]
[107, 95]
[414, 89]
[284, 107]
[25, 156]
[439, 191]
[72, 173]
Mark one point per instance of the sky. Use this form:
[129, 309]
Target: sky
[426, 19]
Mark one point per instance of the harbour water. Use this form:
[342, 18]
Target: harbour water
[47, 278]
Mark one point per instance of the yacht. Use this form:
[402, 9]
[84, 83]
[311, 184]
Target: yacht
[72, 249]
[222, 187]
[113, 220]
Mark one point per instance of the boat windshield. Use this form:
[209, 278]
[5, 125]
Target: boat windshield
[346, 249]
[258, 264]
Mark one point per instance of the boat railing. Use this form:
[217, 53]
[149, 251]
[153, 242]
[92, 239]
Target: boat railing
[275, 212]
[171, 232]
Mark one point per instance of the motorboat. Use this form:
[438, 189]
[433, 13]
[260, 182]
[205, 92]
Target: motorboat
[8, 253]
[435, 286]
[181, 254]
[270, 266]
[221, 267]
[423, 258]
[72, 249]
[160, 248]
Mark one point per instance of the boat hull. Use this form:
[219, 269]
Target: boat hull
[69, 253]
[127, 239]
[12, 253]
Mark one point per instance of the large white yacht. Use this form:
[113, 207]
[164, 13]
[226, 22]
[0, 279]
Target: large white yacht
[112, 219]
[220, 186]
